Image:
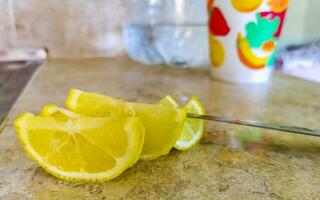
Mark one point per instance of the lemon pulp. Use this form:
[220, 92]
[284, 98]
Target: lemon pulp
[163, 124]
[81, 149]
[193, 129]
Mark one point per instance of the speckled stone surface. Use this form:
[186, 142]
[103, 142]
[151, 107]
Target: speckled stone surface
[280, 166]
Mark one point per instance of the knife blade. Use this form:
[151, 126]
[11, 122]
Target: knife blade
[258, 124]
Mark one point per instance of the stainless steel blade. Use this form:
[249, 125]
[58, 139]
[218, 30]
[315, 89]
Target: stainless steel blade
[252, 123]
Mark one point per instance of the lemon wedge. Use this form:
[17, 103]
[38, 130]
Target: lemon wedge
[81, 149]
[193, 129]
[163, 124]
[62, 114]
[55, 111]
[97, 105]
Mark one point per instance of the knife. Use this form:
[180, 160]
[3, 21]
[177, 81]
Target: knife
[258, 124]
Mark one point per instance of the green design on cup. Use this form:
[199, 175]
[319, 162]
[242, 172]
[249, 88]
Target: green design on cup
[271, 59]
[261, 31]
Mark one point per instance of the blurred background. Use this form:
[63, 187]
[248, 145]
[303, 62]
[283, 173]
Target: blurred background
[101, 28]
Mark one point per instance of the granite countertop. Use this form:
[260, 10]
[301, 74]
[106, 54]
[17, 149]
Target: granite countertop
[278, 166]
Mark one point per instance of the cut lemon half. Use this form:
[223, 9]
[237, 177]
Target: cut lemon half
[163, 124]
[193, 129]
[82, 149]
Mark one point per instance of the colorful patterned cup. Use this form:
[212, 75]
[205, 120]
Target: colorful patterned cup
[243, 38]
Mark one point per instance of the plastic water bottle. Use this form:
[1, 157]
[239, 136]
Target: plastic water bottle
[172, 32]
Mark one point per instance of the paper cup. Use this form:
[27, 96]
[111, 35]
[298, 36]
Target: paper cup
[243, 36]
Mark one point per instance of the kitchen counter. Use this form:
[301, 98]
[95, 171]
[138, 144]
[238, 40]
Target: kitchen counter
[224, 166]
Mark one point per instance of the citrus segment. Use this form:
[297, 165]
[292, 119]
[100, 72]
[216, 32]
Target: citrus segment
[76, 149]
[163, 127]
[62, 114]
[93, 104]
[193, 128]
[162, 124]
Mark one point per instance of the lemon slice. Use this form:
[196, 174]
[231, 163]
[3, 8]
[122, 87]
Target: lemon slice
[97, 105]
[62, 114]
[81, 149]
[163, 128]
[193, 129]
[163, 124]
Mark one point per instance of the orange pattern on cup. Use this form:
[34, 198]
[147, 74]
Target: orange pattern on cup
[269, 46]
[246, 5]
[278, 6]
[210, 4]
[247, 56]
